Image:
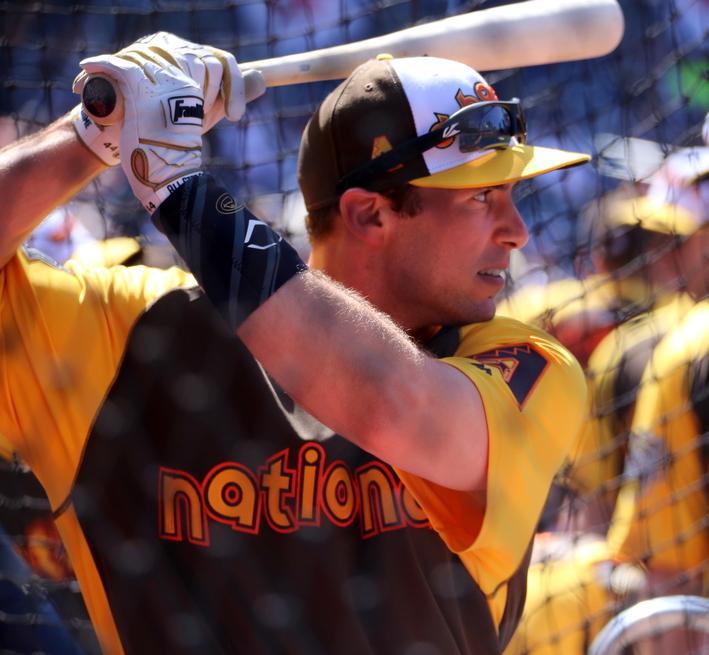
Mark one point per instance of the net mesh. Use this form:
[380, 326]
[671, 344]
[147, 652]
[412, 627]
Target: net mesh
[628, 109]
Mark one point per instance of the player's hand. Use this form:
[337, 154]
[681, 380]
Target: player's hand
[161, 135]
[102, 140]
[215, 70]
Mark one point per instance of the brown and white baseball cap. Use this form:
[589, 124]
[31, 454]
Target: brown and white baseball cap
[389, 102]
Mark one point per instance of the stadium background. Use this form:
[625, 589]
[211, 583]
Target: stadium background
[653, 87]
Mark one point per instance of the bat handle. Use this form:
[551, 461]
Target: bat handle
[103, 102]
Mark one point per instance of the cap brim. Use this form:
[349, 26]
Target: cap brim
[653, 215]
[502, 166]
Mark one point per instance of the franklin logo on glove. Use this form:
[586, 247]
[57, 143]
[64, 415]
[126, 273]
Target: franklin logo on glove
[186, 110]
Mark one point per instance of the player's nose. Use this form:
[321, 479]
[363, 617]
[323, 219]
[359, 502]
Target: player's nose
[512, 229]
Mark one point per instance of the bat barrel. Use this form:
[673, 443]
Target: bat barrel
[529, 33]
[525, 34]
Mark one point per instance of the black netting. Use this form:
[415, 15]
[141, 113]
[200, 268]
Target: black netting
[652, 90]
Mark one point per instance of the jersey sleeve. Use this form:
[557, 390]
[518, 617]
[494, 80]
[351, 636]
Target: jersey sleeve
[534, 396]
[62, 338]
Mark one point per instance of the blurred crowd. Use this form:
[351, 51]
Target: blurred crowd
[617, 270]
[628, 518]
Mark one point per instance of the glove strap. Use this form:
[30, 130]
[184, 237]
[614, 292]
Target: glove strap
[238, 259]
[160, 195]
[102, 141]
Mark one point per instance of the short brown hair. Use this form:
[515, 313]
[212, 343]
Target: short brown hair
[406, 201]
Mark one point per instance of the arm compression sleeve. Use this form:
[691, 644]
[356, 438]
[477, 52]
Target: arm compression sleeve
[238, 260]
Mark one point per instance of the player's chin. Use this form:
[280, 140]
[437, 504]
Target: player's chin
[488, 309]
[478, 311]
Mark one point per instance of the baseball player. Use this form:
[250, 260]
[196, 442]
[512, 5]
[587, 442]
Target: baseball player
[204, 508]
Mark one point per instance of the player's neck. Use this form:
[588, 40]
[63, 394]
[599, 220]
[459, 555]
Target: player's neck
[342, 262]
[355, 268]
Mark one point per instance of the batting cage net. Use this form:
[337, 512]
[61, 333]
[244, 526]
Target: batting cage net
[627, 518]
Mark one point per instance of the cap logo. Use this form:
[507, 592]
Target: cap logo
[482, 93]
[451, 131]
[463, 100]
[380, 145]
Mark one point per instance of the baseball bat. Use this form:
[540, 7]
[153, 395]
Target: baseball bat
[529, 33]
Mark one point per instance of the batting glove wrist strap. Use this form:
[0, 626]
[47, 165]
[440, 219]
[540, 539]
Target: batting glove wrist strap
[238, 259]
[102, 141]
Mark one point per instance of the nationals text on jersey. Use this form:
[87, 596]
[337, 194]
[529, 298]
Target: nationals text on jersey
[287, 494]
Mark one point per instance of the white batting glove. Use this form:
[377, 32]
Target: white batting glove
[103, 141]
[215, 70]
[161, 135]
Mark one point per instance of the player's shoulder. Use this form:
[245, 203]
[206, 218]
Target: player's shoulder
[30, 276]
[29, 271]
[503, 331]
[522, 348]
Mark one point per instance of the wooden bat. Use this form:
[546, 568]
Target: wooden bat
[528, 33]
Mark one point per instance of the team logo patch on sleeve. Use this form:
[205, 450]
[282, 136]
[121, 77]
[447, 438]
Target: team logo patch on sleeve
[520, 365]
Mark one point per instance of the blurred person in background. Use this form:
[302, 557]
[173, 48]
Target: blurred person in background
[581, 578]
[581, 311]
[39, 585]
[30, 622]
[632, 243]
[665, 229]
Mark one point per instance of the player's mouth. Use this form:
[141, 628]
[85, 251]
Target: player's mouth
[493, 274]
[493, 278]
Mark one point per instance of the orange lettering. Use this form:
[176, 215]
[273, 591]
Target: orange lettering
[179, 503]
[377, 487]
[339, 500]
[277, 485]
[310, 473]
[232, 496]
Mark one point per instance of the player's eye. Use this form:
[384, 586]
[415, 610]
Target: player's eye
[482, 196]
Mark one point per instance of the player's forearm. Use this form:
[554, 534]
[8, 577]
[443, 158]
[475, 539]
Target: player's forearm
[37, 174]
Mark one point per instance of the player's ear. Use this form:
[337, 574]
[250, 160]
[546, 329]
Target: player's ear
[366, 215]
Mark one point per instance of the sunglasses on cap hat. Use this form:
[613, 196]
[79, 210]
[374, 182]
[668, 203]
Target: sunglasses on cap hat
[480, 126]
